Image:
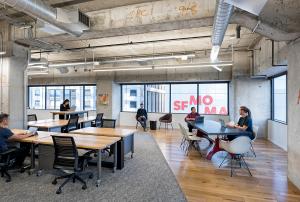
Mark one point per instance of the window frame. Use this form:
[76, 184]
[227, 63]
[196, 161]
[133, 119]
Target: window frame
[57, 85]
[170, 84]
[272, 98]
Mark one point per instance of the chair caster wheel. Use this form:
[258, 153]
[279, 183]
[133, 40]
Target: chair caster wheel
[58, 191]
[8, 180]
[54, 182]
[84, 187]
[22, 170]
[91, 176]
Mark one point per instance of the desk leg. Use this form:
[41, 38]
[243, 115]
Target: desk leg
[215, 149]
[99, 168]
[53, 116]
[120, 154]
[132, 146]
[115, 157]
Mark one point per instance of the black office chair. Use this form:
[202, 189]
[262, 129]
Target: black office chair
[31, 117]
[98, 120]
[67, 160]
[72, 124]
[108, 123]
[7, 160]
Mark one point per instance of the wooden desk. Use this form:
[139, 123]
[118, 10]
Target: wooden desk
[55, 125]
[65, 113]
[32, 141]
[125, 145]
[87, 142]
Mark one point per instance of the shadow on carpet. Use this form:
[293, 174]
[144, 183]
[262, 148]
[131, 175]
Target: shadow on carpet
[146, 177]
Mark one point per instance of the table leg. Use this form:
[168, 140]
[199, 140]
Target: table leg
[215, 149]
[32, 159]
[87, 114]
[99, 168]
[132, 146]
[53, 116]
[115, 157]
[120, 154]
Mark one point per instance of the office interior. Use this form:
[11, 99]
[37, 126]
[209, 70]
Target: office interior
[110, 56]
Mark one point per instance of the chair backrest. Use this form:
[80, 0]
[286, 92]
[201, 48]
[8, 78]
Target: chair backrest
[108, 123]
[31, 117]
[255, 132]
[73, 123]
[183, 131]
[166, 117]
[66, 155]
[239, 145]
[99, 117]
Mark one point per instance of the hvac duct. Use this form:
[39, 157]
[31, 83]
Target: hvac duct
[38, 9]
[223, 13]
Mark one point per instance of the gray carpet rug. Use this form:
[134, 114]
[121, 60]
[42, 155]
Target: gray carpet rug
[146, 177]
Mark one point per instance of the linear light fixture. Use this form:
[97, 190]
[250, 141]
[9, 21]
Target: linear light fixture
[37, 63]
[139, 59]
[37, 73]
[2, 52]
[73, 64]
[37, 67]
[122, 69]
[214, 65]
[214, 53]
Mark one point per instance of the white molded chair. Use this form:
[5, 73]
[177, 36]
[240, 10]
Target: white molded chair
[190, 139]
[255, 133]
[236, 150]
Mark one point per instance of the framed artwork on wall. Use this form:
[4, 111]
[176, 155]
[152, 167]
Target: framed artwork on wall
[104, 99]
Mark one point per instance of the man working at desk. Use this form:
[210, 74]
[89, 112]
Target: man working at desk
[7, 135]
[191, 117]
[65, 106]
[141, 116]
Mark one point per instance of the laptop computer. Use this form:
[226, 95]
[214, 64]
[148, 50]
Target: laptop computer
[199, 119]
[73, 108]
[33, 130]
[223, 125]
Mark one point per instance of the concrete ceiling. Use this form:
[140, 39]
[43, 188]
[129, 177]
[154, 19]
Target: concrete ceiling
[145, 27]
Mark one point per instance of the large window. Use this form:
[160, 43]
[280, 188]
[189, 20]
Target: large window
[157, 98]
[37, 97]
[208, 98]
[279, 97]
[82, 97]
[132, 97]
[183, 97]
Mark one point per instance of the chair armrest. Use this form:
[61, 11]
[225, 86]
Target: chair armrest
[9, 151]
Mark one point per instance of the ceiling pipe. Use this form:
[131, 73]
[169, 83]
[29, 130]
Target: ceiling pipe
[38, 9]
[262, 28]
[223, 13]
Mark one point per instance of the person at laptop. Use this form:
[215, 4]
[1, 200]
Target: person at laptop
[6, 136]
[141, 116]
[191, 117]
[244, 123]
[65, 106]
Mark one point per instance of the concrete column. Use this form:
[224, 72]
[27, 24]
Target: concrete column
[12, 66]
[112, 110]
[294, 113]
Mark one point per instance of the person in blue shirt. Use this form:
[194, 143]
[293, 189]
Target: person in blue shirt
[7, 136]
[244, 123]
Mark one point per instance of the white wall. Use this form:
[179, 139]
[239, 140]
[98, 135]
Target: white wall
[128, 118]
[277, 134]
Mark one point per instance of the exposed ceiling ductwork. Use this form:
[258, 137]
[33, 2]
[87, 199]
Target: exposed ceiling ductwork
[223, 13]
[73, 22]
[250, 22]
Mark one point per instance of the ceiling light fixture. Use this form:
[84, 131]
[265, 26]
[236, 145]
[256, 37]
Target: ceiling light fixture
[37, 67]
[73, 64]
[217, 68]
[214, 53]
[37, 63]
[214, 65]
[139, 59]
[121, 69]
[2, 52]
[37, 73]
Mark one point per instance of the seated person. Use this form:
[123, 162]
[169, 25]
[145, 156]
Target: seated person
[191, 117]
[141, 116]
[244, 123]
[65, 106]
[7, 135]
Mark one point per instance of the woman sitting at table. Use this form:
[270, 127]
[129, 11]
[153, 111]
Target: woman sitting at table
[65, 106]
[244, 123]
